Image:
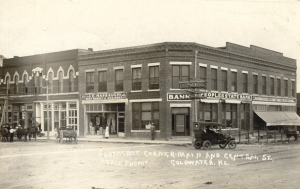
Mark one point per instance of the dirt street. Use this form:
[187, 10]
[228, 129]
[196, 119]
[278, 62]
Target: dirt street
[114, 165]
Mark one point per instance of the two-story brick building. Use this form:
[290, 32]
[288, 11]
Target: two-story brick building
[24, 82]
[130, 88]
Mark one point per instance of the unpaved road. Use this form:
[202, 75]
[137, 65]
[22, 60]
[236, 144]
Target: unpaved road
[115, 165]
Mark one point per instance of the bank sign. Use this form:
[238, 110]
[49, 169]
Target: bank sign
[104, 96]
[214, 95]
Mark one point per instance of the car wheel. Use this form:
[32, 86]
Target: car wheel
[232, 144]
[197, 144]
[222, 145]
[206, 145]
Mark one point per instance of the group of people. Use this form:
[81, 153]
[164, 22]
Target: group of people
[11, 132]
[93, 130]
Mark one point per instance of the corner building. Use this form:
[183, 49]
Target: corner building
[247, 88]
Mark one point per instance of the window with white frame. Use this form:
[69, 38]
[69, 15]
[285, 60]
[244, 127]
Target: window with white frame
[89, 82]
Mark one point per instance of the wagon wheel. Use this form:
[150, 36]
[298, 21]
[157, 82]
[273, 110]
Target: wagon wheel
[197, 144]
[75, 138]
[232, 144]
[61, 137]
[222, 145]
[206, 145]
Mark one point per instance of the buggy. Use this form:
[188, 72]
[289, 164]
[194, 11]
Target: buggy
[208, 134]
[67, 132]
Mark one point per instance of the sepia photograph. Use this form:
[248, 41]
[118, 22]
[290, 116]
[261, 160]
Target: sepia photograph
[143, 94]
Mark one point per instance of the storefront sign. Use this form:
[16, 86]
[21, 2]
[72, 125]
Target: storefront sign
[270, 99]
[242, 97]
[104, 96]
[178, 97]
[225, 96]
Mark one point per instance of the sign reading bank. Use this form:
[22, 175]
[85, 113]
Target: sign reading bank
[178, 97]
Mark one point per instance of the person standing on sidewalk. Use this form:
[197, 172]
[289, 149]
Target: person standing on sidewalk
[107, 132]
[11, 133]
[152, 130]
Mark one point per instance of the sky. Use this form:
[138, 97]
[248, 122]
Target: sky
[41, 26]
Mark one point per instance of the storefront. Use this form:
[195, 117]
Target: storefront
[180, 105]
[61, 114]
[104, 110]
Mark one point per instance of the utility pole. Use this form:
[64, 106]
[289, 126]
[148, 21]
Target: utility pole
[47, 115]
[193, 88]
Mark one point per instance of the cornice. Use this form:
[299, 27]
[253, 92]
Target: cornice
[183, 47]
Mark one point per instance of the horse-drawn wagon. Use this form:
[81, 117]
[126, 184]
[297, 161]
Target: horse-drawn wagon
[67, 132]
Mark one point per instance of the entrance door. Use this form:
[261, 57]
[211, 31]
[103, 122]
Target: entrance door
[180, 124]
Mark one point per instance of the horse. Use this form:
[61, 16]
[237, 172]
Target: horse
[33, 131]
[22, 132]
[4, 133]
[292, 134]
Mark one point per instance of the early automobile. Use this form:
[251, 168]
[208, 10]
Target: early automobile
[208, 134]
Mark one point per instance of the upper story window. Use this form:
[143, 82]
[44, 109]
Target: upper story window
[37, 83]
[214, 79]
[272, 86]
[278, 87]
[233, 82]
[60, 82]
[16, 87]
[203, 75]
[286, 92]
[154, 77]
[50, 82]
[119, 75]
[25, 84]
[180, 73]
[224, 80]
[137, 78]
[293, 88]
[89, 79]
[7, 84]
[71, 81]
[102, 81]
[264, 85]
[255, 84]
[245, 83]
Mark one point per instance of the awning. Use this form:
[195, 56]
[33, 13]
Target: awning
[293, 116]
[279, 118]
[233, 101]
[210, 100]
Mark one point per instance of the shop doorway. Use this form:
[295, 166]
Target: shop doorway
[101, 115]
[180, 122]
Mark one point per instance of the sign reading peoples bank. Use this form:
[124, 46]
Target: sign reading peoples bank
[242, 97]
[104, 96]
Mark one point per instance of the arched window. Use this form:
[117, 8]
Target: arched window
[71, 81]
[7, 84]
[25, 84]
[60, 82]
[16, 87]
[50, 82]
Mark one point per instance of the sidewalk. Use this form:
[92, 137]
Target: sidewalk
[178, 141]
[97, 138]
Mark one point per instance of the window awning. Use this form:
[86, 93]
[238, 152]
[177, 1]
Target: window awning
[279, 118]
[233, 101]
[293, 116]
[210, 100]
